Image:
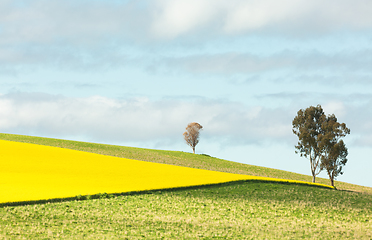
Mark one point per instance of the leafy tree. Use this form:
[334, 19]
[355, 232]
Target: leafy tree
[307, 126]
[192, 134]
[320, 140]
[335, 153]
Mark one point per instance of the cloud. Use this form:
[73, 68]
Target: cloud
[176, 18]
[288, 67]
[141, 120]
[90, 22]
[307, 63]
[80, 22]
[309, 66]
[138, 119]
[83, 35]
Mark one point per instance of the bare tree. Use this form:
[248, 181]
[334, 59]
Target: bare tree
[192, 134]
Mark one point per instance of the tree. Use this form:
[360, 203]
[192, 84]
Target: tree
[307, 126]
[334, 155]
[192, 134]
[320, 140]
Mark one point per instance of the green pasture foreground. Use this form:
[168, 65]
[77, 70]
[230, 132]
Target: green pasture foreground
[247, 210]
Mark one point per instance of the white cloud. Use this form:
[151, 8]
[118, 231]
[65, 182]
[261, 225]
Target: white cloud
[180, 17]
[142, 120]
[76, 22]
[90, 22]
[101, 34]
[252, 15]
[174, 18]
[103, 119]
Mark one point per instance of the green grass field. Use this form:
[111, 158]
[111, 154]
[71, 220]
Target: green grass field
[241, 210]
[235, 211]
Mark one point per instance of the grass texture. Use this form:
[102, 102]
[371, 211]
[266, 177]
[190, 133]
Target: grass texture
[248, 210]
[30, 172]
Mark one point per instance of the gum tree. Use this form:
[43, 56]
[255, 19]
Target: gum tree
[334, 155]
[191, 135]
[307, 126]
[319, 139]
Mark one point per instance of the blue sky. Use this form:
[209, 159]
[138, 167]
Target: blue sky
[135, 73]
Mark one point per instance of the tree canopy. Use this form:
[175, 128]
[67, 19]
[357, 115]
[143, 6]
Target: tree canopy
[334, 151]
[191, 134]
[307, 126]
[319, 139]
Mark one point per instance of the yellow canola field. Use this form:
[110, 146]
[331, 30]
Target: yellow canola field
[34, 172]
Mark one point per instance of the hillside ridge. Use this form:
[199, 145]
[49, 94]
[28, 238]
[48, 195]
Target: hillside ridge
[200, 161]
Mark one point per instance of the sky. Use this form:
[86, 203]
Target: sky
[135, 73]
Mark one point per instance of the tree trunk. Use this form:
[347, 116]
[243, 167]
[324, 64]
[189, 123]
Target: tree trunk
[331, 178]
[313, 178]
[193, 150]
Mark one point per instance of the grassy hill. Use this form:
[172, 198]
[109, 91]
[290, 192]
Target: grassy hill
[240, 210]
[179, 159]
